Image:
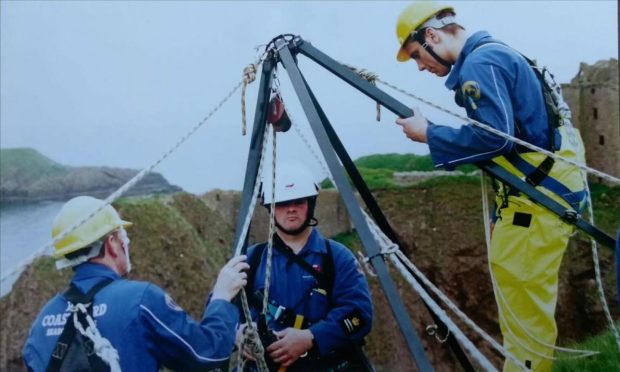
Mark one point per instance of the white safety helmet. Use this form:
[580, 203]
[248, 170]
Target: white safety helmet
[293, 181]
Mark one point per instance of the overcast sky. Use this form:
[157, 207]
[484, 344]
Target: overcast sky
[118, 83]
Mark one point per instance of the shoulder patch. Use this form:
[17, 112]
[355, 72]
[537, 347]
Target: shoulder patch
[171, 304]
[352, 322]
[471, 93]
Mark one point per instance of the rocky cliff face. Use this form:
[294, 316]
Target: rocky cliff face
[180, 242]
[28, 176]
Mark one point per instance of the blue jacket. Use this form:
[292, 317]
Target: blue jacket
[296, 289]
[142, 322]
[509, 93]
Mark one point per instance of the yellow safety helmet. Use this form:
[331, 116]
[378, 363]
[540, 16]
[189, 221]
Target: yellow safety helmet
[74, 211]
[411, 18]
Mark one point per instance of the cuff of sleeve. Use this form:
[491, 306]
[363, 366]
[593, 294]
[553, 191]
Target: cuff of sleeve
[223, 306]
[320, 343]
[431, 139]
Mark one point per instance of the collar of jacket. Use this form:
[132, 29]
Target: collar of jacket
[471, 43]
[88, 274]
[315, 244]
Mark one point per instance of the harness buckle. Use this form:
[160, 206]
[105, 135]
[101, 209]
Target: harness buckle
[433, 330]
[279, 312]
[570, 216]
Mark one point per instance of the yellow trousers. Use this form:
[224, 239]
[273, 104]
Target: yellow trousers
[527, 246]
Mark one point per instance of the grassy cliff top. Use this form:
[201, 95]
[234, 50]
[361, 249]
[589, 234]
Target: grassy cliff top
[28, 164]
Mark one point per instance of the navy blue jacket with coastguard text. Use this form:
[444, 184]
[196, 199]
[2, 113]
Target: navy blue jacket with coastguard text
[142, 322]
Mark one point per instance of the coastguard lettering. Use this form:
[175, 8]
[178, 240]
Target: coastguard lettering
[54, 320]
[99, 310]
[54, 331]
[60, 319]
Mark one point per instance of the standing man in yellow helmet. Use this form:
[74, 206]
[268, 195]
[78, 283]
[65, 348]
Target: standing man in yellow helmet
[105, 323]
[501, 88]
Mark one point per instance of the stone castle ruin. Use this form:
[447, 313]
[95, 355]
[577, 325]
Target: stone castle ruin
[594, 101]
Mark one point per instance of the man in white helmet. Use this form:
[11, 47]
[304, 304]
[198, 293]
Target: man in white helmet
[499, 87]
[106, 323]
[319, 307]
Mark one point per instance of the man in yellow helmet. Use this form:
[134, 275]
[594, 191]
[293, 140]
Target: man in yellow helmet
[501, 88]
[105, 323]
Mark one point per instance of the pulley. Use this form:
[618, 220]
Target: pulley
[277, 115]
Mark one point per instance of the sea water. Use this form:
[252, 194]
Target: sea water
[24, 230]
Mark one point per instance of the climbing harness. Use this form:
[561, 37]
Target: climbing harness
[86, 350]
[501, 298]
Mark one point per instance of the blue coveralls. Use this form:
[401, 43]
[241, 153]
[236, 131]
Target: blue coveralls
[510, 92]
[294, 288]
[142, 322]
[528, 241]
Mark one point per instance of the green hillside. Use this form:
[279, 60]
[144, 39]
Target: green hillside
[378, 170]
[26, 165]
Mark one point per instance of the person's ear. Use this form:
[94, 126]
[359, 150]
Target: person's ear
[432, 35]
[110, 246]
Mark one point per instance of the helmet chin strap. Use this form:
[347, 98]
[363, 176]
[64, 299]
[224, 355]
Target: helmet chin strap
[310, 220]
[300, 229]
[125, 240]
[417, 36]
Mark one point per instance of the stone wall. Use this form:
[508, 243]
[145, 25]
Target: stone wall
[593, 98]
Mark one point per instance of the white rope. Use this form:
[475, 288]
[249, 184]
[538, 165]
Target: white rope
[501, 298]
[467, 344]
[597, 271]
[102, 346]
[501, 134]
[250, 334]
[384, 241]
[248, 216]
[272, 218]
[118, 193]
[393, 248]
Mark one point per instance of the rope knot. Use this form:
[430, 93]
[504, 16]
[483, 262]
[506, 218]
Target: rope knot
[370, 77]
[249, 74]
